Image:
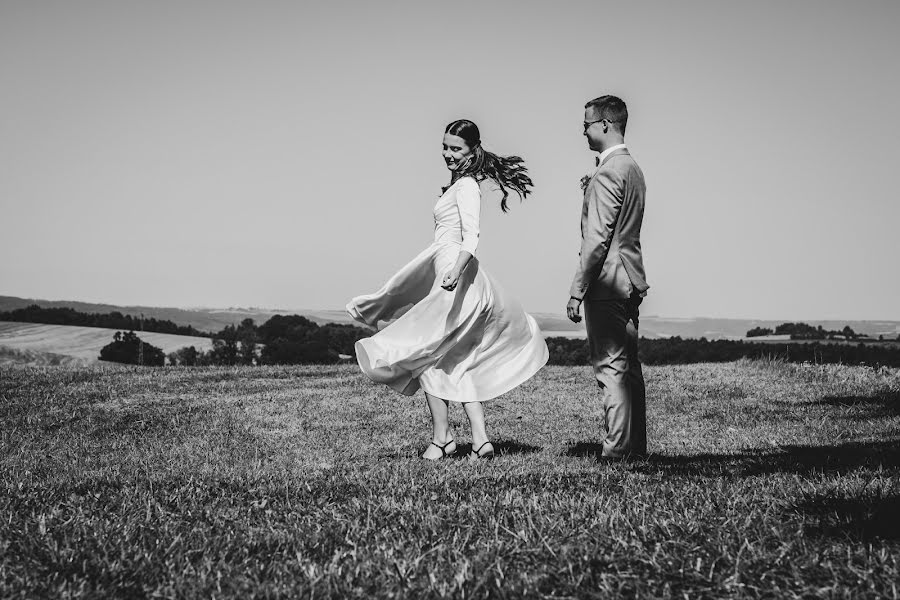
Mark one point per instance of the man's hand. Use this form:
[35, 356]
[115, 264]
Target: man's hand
[572, 310]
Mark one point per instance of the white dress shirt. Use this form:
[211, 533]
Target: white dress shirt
[609, 151]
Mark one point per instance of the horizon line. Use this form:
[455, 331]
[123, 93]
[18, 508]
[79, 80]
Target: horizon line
[340, 310]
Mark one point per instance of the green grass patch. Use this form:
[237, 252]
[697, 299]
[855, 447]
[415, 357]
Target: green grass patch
[765, 479]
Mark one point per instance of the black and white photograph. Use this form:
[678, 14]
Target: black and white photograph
[452, 300]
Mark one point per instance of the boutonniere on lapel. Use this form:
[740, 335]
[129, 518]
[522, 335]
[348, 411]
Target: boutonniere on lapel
[584, 182]
[587, 178]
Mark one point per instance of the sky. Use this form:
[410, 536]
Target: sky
[287, 154]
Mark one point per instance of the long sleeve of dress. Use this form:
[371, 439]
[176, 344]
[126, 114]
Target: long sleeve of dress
[468, 201]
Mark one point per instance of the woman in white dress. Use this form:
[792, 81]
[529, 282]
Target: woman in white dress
[444, 325]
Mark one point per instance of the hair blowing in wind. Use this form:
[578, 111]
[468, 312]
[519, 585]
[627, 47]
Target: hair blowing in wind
[505, 171]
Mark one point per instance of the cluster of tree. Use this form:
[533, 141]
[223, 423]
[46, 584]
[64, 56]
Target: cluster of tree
[803, 331]
[113, 320]
[129, 349]
[759, 331]
[186, 357]
[282, 340]
[233, 346]
[675, 350]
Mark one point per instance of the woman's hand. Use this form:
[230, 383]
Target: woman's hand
[451, 279]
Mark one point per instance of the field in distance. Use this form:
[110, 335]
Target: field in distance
[37, 344]
[765, 480]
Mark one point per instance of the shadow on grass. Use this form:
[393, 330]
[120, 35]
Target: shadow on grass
[585, 450]
[863, 518]
[885, 404]
[512, 447]
[784, 459]
[840, 458]
[504, 448]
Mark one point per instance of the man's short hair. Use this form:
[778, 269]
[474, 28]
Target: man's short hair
[611, 108]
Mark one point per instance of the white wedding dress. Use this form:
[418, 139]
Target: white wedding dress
[470, 344]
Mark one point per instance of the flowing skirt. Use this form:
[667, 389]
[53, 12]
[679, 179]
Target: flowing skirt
[469, 345]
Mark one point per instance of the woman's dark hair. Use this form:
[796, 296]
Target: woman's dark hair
[505, 171]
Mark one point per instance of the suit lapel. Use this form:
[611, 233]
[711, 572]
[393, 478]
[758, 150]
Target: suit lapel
[618, 152]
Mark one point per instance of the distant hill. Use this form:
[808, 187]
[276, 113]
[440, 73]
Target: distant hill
[204, 319]
[214, 319]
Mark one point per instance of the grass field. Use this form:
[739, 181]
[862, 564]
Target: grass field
[766, 480]
[39, 344]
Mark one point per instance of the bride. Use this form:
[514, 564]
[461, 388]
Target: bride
[444, 324]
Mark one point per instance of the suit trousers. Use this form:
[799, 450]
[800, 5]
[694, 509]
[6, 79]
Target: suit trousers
[612, 330]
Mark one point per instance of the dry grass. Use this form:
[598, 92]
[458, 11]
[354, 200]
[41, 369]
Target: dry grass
[765, 480]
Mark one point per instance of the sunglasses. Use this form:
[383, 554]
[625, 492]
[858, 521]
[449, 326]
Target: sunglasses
[589, 123]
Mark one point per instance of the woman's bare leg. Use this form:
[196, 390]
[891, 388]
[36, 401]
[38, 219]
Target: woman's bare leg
[475, 412]
[440, 422]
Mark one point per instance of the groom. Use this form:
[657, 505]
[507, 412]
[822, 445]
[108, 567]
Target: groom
[610, 279]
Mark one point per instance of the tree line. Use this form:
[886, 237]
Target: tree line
[675, 351]
[282, 340]
[113, 320]
[296, 340]
[804, 331]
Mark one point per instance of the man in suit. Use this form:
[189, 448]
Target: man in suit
[610, 279]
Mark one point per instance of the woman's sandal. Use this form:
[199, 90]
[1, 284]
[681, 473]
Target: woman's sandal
[476, 454]
[443, 449]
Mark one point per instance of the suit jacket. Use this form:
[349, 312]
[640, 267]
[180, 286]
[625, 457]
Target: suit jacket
[610, 264]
